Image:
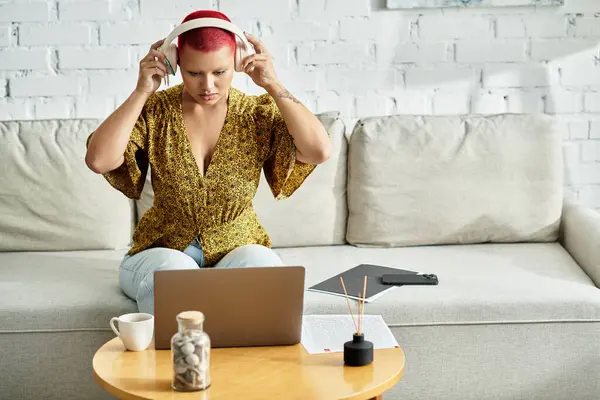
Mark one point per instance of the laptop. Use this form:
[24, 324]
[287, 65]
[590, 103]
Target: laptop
[242, 307]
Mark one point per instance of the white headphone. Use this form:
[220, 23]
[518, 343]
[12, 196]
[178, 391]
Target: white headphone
[242, 48]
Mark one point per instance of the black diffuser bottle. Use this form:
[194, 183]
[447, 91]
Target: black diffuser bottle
[358, 352]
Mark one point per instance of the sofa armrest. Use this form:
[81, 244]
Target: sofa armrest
[580, 236]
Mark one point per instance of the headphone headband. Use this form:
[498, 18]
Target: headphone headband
[242, 48]
[205, 23]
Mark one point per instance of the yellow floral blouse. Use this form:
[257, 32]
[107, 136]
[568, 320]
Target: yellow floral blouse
[217, 207]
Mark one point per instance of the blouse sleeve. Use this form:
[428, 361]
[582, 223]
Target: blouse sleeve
[283, 173]
[129, 177]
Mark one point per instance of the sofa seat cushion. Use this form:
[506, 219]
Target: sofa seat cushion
[487, 283]
[61, 291]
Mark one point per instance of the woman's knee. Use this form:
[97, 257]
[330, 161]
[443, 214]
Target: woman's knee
[139, 269]
[251, 255]
[158, 258]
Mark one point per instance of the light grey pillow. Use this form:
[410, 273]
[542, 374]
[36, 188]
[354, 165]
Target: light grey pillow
[423, 180]
[49, 198]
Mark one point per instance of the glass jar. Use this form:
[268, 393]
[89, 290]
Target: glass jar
[190, 349]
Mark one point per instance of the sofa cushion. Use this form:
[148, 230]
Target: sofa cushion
[484, 283]
[61, 291]
[49, 198]
[316, 214]
[417, 180]
[490, 283]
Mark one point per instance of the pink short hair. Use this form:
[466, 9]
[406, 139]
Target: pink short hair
[206, 39]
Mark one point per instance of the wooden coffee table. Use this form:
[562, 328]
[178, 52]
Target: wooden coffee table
[279, 372]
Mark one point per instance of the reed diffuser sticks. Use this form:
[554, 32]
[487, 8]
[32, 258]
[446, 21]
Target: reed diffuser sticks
[361, 305]
[358, 351]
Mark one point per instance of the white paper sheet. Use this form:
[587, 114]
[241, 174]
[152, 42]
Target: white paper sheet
[367, 300]
[328, 333]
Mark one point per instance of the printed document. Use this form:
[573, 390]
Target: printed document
[328, 333]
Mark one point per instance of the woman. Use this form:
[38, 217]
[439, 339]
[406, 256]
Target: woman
[207, 144]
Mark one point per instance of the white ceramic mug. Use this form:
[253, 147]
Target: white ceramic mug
[135, 330]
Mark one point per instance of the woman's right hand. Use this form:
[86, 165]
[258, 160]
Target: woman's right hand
[153, 69]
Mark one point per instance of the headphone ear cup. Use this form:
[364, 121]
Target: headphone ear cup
[172, 58]
[240, 53]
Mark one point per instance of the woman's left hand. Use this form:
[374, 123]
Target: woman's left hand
[259, 66]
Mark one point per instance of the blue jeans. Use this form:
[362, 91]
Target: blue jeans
[136, 273]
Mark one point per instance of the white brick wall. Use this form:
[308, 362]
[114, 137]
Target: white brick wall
[301, 81]
[440, 27]
[592, 102]
[374, 104]
[511, 76]
[587, 27]
[489, 103]
[133, 32]
[79, 58]
[546, 27]
[93, 107]
[15, 109]
[451, 103]
[413, 102]
[46, 86]
[4, 34]
[552, 49]
[581, 6]
[347, 8]
[360, 80]
[259, 9]
[58, 107]
[510, 27]
[378, 27]
[102, 83]
[564, 101]
[441, 77]
[91, 10]
[580, 74]
[526, 101]
[21, 58]
[579, 129]
[491, 51]
[341, 53]
[333, 101]
[31, 34]
[17, 11]
[595, 130]
[416, 53]
[173, 9]
[590, 151]
[300, 31]
[97, 58]
[590, 195]
[330, 9]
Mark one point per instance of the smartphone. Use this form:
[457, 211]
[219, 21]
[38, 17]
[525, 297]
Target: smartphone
[409, 279]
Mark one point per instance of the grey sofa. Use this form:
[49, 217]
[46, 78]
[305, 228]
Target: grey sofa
[476, 200]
